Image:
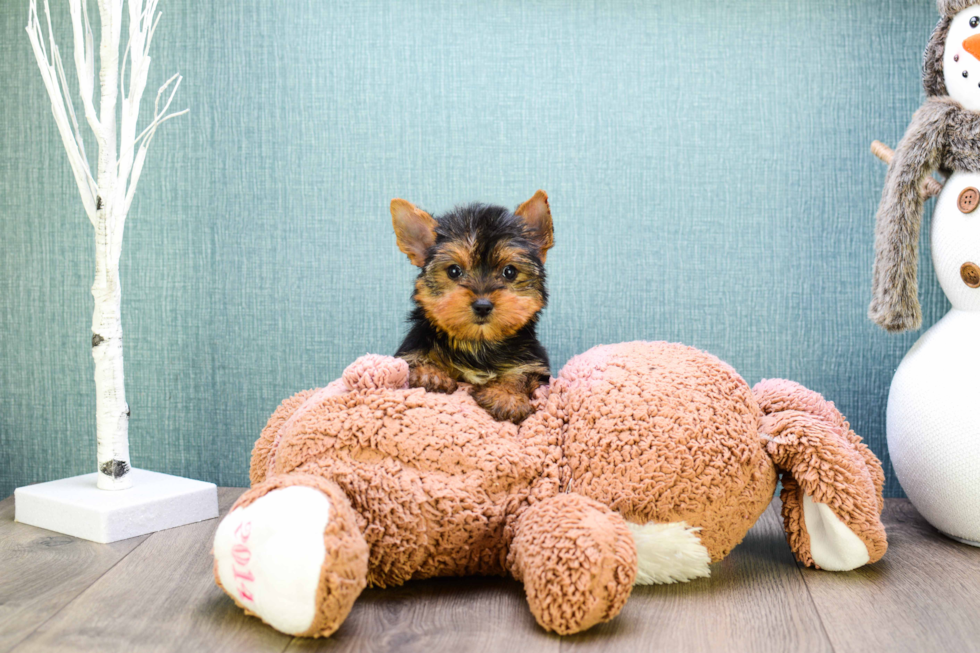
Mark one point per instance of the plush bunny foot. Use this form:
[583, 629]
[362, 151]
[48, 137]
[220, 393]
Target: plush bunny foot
[577, 560]
[290, 552]
[831, 482]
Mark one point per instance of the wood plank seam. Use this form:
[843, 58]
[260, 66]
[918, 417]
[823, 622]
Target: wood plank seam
[816, 608]
[75, 598]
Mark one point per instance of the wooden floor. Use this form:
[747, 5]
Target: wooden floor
[156, 593]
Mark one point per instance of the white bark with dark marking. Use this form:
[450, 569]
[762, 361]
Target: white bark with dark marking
[107, 198]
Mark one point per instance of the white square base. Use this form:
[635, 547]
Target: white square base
[75, 506]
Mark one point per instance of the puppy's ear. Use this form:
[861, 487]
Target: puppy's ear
[537, 217]
[415, 230]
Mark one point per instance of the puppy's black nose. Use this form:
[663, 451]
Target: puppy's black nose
[482, 307]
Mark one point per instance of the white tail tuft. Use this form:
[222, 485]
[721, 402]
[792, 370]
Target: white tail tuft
[669, 553]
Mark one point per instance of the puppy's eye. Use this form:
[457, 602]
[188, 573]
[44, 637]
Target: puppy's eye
[974, 22]
[454, 271]
[510, 273]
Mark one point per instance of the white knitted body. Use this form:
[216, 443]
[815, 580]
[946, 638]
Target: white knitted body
[933, 425]
[933, 419]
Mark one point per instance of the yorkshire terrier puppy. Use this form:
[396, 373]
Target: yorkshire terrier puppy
[477, 298]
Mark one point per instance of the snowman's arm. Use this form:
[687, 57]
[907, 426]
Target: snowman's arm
[930, 187]
[895, 302]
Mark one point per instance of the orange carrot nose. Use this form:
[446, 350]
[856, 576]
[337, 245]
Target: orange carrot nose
[972, 45]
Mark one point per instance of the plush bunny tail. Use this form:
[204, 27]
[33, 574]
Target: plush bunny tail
[668, 553]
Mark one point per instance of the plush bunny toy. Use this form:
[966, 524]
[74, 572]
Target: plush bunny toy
[643, 463]
[944, 136]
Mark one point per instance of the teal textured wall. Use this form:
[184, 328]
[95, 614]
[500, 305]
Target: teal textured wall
[707, 165]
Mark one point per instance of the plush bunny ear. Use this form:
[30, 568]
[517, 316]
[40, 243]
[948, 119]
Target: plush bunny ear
[537, 216]
[832, 483]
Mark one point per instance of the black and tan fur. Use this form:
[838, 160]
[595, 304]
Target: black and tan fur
[478, 253]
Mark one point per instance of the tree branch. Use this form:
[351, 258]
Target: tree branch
[148, 133]
[85, 62]
[69, 105]
[87, 187]
[137, 47]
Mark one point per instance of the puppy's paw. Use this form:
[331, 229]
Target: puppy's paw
[432, 378]
[503, 402]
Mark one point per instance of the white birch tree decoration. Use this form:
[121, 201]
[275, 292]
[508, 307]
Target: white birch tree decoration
[108, 195]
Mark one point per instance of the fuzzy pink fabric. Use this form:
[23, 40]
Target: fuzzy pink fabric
[666, 433]
[374, 371]
[641, 431]
[820, 456]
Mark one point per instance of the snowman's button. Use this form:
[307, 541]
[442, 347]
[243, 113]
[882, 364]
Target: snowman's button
[969, 200]
[970, 274]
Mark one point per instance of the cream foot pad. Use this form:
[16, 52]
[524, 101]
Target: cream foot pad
[270, 553]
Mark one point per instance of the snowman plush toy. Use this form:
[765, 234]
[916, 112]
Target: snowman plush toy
[933, 417]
